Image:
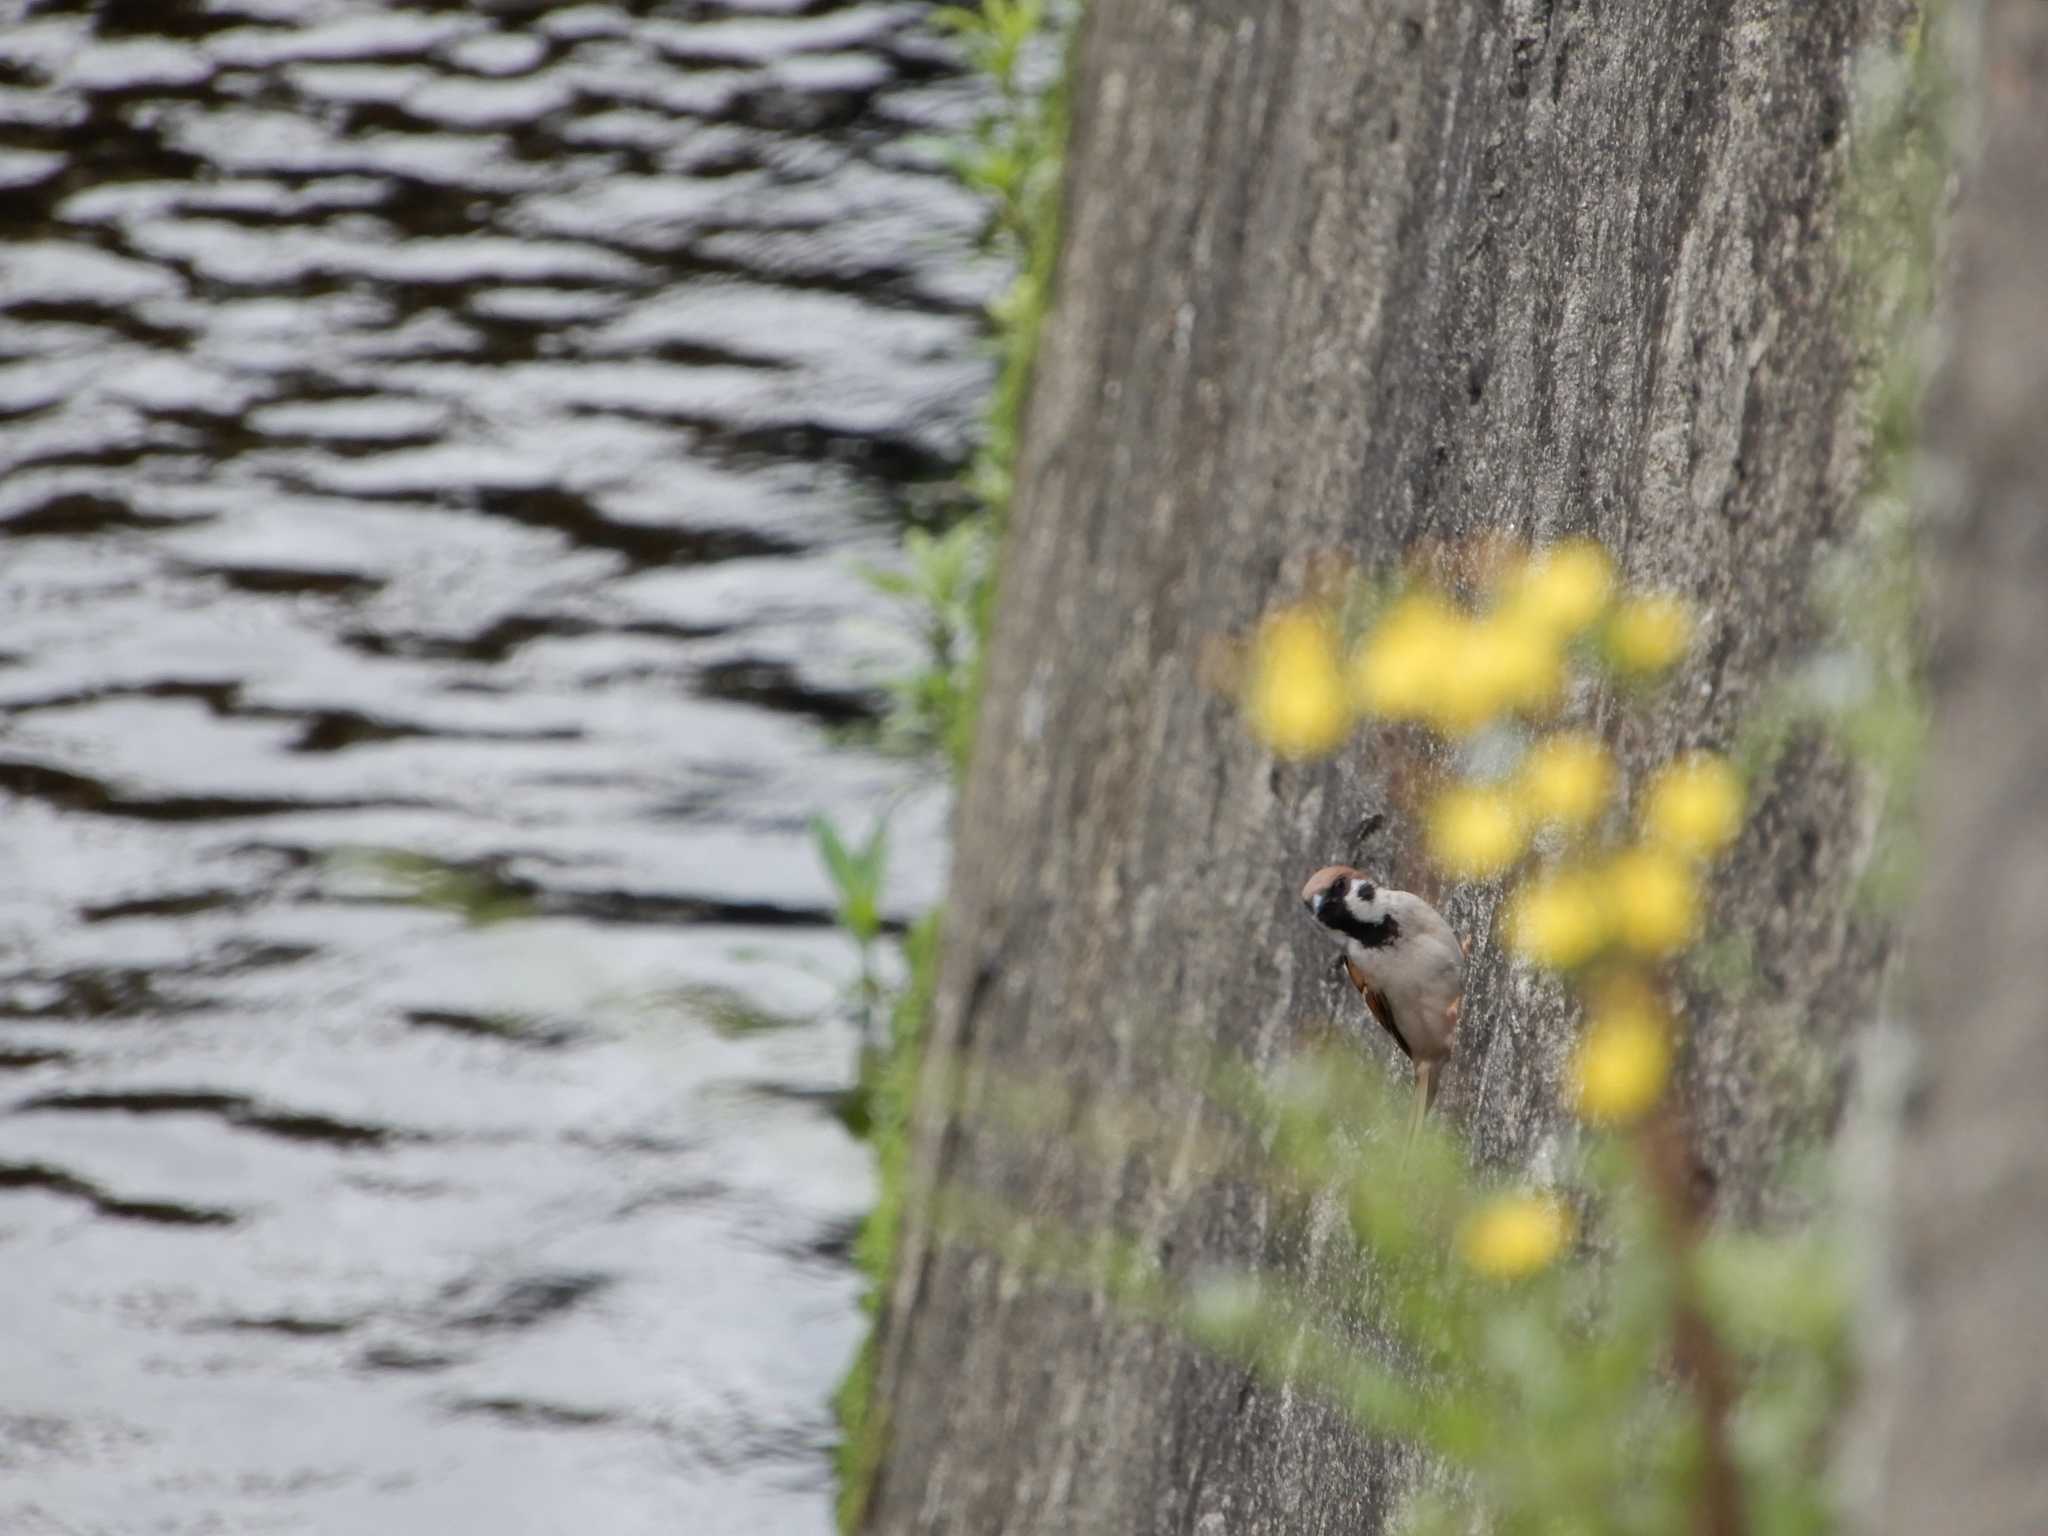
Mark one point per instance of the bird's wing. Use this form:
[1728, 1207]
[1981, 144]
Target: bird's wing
[1376, 1000]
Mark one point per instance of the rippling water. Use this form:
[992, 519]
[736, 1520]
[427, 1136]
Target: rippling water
[434, 440]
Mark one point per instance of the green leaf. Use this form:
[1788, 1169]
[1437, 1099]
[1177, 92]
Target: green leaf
[838, 862]
[857, 877]
[963, 19]
[892, 583]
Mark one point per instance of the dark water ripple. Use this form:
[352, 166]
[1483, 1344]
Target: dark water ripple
[434, 442]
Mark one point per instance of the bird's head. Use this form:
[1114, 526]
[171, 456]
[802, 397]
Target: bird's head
[1339, 895]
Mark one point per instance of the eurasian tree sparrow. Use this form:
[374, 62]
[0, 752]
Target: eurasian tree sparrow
[1403, 957]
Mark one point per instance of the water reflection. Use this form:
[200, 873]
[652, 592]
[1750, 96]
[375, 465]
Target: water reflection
[433, 441]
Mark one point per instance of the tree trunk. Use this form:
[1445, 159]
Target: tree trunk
[1970, 1441]
[1340, 275]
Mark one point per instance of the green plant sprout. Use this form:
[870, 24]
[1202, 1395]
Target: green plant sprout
[1012, 158]
[886, 1096]
[857, 875]
[931, 706]
[1553, 1350]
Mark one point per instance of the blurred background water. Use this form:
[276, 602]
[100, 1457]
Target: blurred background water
[435, 444]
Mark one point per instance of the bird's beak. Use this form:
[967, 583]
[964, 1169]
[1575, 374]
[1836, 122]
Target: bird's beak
[1315, 903]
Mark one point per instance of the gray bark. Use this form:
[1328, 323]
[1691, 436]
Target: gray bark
[1970, 1451]
[1340, 275]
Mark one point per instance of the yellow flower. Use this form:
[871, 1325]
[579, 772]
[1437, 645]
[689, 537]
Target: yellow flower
[1490, 667]
[1396, 673]
[1474, 833]
[1558, 921]
[1695, 805]
[1566, 778]
[1653, 900]
[1619, 1069]
[1565, 588]
[1512, 1236]
[1523, 658]
[1296, 696]
[1647, 634]
[1472, 686]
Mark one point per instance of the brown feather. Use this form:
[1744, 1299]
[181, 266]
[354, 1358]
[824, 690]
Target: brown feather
[1377, 1002]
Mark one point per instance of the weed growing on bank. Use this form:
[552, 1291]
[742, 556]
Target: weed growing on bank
[1012, 157]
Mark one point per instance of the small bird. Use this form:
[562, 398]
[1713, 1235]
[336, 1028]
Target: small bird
[1403, 957]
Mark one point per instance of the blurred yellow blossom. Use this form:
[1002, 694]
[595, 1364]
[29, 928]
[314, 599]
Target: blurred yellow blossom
[1399, 668]
[1566, 779]
[1474, 832]
[1619, 1069]
[1512, 1236]
[1648, 634]
[1565, 588]
[1558, 920]
[1525, 659]
[1471, 688]
[1695, 805]
[1653, 900]
[1295, 695]
[1487, 668]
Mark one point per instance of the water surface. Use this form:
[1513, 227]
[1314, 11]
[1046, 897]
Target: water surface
[434, 442]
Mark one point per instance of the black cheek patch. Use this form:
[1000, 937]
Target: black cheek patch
[1339, 917]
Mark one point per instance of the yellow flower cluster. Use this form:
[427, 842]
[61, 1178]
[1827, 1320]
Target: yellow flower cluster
[1643, 899]
[1430, 661]
[1653, 900]
[1559, 920]
[1648, 634]
[1619, 1069]
[1604, 914]
[1295, 696]
[1513, 1236]
[1566, 779]
[1564, 589]
[1695, 806]
[1474, 832]
[1396, 671]
[1477, 831]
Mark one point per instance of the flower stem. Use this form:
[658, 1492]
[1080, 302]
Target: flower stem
[1696, 1348]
